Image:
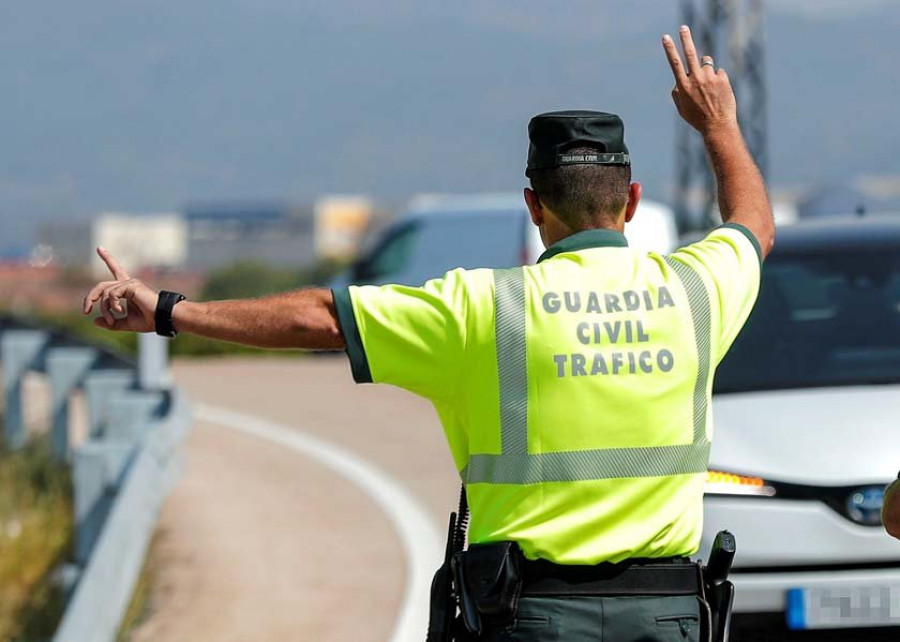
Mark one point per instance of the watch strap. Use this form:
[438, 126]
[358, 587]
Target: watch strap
[163, 316]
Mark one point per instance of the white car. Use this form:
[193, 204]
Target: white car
[442, 232]
[807, 435]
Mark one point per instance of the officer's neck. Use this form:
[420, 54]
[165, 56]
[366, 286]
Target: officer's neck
[554, 230]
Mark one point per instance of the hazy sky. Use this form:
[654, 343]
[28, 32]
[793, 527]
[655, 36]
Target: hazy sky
[146, 105]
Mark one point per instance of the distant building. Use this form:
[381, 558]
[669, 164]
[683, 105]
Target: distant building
[67, 243]
[220, 234]
[149, 240]
[209, 236]
[341, 224]
[138, 241]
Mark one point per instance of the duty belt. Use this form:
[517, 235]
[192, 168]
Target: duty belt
[664, 577]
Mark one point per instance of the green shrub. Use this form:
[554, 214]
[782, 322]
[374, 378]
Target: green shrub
[36, 526]
[247, 279]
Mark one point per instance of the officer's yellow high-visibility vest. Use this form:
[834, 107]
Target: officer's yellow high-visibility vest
[575, 393]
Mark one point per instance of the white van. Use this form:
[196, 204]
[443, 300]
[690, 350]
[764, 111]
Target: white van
[441, 232]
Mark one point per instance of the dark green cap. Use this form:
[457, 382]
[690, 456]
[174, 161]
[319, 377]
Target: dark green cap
[551, 135]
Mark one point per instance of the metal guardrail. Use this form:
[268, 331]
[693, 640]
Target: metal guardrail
[123, 471]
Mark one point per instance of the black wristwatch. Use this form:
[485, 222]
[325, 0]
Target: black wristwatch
[163, 316]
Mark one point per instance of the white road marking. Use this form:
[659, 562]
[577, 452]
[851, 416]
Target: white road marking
[422, 545]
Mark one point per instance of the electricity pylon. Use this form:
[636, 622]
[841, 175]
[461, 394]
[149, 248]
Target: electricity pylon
[733, 33]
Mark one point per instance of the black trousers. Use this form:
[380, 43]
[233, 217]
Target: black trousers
[601, 619]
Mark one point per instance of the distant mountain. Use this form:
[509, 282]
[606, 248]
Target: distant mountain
[143, 105]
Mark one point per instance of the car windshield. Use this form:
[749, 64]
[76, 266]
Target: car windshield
[822, 319]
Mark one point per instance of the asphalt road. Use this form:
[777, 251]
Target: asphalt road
[261, 542]
[267, 539]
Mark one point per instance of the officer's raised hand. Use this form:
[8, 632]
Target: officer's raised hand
[703, 95]
[705, 100]
[125, 303]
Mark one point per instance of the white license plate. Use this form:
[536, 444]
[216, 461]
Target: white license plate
[840, 607]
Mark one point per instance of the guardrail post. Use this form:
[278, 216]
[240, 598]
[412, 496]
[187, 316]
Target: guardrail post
[100, 388]
[22, 351]
[66, 368]
[131, 415]
[153, 362]
[97, 470]
[120, 475]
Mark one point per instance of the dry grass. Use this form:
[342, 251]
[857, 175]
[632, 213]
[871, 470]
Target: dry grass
[36, 525]
[139, 607]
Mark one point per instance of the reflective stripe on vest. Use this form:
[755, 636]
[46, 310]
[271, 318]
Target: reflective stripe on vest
[514, 465]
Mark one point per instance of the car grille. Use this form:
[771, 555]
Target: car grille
[834, 497]
[770, 627]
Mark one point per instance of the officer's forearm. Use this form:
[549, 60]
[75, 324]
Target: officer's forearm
[890, 513]
[742, 192]
[299, 319]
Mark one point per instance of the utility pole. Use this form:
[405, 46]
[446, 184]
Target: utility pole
[733, 33]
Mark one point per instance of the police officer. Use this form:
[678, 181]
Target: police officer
[574, 393]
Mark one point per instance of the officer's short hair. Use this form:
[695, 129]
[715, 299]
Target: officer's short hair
[583, 196]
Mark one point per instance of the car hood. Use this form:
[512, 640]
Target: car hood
[824, 436]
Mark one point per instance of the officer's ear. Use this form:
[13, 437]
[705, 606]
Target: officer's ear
[634, 197]
[534, 206]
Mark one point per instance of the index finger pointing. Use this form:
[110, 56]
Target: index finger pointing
[674, 59]
[112, 264]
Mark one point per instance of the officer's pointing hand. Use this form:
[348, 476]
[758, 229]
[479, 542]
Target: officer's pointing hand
[702, 94]
[125, 303]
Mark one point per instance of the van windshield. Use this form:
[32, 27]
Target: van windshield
[822, 319]
[389, 256]
[429, 246]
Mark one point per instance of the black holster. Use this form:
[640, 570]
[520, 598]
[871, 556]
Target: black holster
[442, 616]
[444, 624]
[718, 591]
[488, 578]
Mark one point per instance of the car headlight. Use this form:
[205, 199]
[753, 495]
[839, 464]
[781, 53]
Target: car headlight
[722, 483]
[860, 504]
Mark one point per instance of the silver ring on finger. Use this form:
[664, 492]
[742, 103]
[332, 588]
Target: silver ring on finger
[708, 62]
